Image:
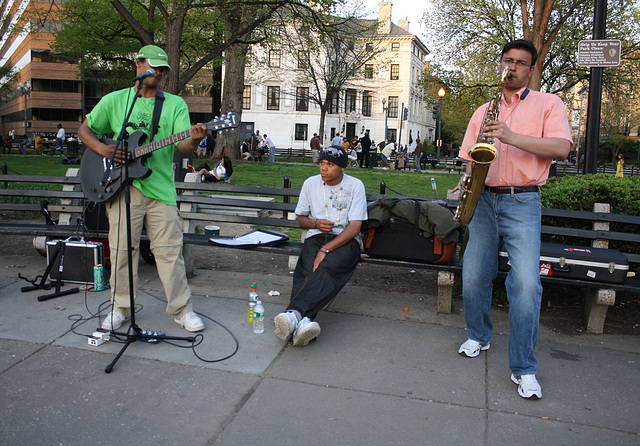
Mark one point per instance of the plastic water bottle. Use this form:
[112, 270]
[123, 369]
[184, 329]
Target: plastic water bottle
[258, 318]
[253, 298]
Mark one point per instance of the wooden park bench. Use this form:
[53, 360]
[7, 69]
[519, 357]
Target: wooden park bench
[222, 202]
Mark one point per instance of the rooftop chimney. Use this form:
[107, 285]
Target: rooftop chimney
[404, 24]
[384, 18]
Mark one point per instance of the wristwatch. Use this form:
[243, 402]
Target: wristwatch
[325, 250]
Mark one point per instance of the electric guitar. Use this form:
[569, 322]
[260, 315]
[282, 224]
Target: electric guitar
[94, 166]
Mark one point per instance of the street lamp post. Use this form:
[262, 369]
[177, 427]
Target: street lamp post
[441, 94]
[386, 116]
[582, 96]
[25, 90]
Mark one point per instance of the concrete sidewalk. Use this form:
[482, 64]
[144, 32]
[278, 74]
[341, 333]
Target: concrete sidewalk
[377, 375]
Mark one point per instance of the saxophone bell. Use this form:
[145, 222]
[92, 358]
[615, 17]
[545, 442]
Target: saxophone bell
[482, 154]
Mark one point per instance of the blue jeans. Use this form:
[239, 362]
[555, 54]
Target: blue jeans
[512, 221]
[418, 160]
[58, 144]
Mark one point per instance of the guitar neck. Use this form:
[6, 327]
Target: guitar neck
[155, 145]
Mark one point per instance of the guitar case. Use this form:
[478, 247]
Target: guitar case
[577, 262]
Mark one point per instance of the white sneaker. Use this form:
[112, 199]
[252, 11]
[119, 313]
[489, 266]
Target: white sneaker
[285, 324]
[528, 386]
[114, 320]
[306, 331]
[472, 348]
[190, 322]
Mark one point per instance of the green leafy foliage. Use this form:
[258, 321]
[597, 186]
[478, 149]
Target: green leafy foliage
[580, 192]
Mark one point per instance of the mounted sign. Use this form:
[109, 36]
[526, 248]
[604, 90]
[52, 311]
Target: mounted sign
[599, 53]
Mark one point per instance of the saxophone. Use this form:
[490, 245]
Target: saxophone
[482, 153]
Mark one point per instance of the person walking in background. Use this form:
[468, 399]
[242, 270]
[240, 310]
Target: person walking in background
[337, 140]
[315, 148]
[532, 129]
[620, 166]
[271, 147]
[358, 146]
[418, 154]
[60, 138]
[256, 150]
[332, 206]
[365, 142]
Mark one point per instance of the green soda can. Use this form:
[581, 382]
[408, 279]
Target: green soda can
[98, 277]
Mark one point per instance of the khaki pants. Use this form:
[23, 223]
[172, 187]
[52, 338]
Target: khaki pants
[164, 228]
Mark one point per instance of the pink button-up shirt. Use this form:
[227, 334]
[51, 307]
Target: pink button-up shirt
[541, 115]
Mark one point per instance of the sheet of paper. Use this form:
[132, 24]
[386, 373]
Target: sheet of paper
[250, 238]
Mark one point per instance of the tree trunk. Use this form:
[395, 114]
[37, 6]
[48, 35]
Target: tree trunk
[172, 47]
[228, 143]
[323, 114]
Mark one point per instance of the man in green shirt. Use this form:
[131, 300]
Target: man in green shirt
[153, 199]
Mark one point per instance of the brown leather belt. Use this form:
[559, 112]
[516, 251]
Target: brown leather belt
[511, 189]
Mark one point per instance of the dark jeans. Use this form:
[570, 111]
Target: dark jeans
[314, 290]
[207, 177]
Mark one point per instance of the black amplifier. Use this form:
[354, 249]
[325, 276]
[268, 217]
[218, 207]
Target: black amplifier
[79, 259]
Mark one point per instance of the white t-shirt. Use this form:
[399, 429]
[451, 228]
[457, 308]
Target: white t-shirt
[344, 202]
[60, 133]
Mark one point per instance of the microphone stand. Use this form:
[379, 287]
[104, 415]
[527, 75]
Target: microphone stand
[134, 333]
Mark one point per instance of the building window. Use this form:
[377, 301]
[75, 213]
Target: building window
[395, 71]
[301, 132]
[46, 56]
[273, 98]
[51, 114]
[367, 101]
[395, 46]
[393, 107]
[302, 99]
[246, 97]
[56, 85]
[334, 101]
[274, 58]
[368, 71]
[350, 101]
[302, 60]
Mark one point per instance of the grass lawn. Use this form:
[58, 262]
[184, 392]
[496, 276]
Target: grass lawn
[266, 174]
[397, 182]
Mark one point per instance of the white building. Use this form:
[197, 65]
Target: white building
[274, 98]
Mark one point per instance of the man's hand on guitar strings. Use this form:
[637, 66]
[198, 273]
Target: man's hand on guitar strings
[122, 155]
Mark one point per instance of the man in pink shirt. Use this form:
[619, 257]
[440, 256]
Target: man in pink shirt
[532, 129]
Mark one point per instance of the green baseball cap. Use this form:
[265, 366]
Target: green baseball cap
[155, 56]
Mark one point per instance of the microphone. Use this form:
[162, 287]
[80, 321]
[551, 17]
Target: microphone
[149, 72]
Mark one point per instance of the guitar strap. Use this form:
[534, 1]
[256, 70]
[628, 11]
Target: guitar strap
[157, 111]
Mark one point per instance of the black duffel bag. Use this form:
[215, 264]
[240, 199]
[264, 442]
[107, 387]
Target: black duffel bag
[400, 239]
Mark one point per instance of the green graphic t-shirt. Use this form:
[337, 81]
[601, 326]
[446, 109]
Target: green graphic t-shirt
[108, 116]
